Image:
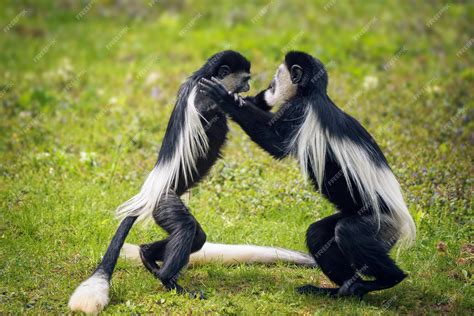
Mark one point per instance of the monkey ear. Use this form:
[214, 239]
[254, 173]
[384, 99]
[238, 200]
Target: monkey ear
[296, 73]
[223, 71]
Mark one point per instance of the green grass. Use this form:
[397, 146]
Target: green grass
[81, 124]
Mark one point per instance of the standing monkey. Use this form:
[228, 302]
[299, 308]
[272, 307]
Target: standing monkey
[195, 135]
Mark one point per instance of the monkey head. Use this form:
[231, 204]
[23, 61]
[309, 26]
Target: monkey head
[299, 74]
[231, 69]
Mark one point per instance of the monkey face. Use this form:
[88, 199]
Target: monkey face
[236, 82]
[231, 69]
[281, 88]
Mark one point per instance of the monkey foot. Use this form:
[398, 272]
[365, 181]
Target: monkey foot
[199, 294]
[150, 265]
[314, 290]
[190, 293]
[170, 284]
[356, 289]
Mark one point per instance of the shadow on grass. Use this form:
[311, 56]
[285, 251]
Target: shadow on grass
[277, 282]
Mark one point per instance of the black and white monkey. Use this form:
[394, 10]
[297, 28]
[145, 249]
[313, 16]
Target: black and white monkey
[192, 143]
[343, 162]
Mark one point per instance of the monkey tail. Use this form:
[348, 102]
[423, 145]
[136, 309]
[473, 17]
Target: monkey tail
[233, 254]
[92, 295]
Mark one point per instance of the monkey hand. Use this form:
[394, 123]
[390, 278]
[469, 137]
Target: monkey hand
[219, 94]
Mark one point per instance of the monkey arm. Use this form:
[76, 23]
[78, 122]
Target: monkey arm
[260, 125]
[259, 101]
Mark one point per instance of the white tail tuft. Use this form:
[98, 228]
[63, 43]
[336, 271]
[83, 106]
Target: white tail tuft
[234, 254]
[130, 252]
[91, 296]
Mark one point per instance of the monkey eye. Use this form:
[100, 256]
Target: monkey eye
[247, 78]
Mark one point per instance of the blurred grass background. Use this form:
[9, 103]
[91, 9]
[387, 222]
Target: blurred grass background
[86, 90]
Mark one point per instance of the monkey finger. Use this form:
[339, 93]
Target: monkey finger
[203, 84]
[207, 82]
[209, 92]
[206, 86]
[203, 80]
[213, 92]
[217, 81]
[219, 84]
[216, 88]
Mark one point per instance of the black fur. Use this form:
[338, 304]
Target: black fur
[350, 243]
[107, 265]
[185, 233]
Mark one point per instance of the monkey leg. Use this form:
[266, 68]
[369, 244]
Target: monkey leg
[185, 236]
[152, 252]
[367, 247]
[321, 242]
